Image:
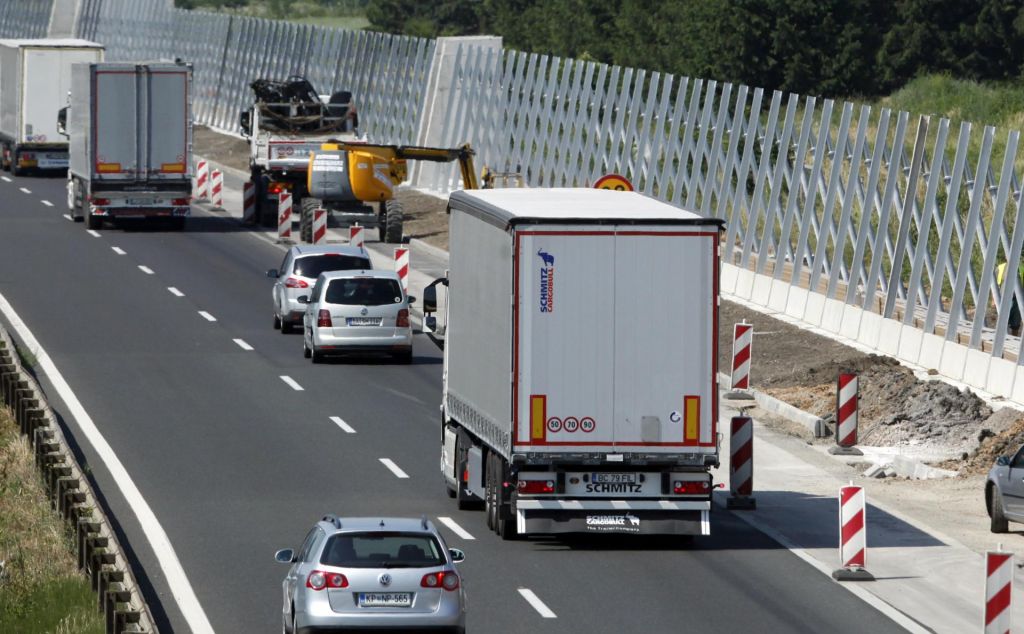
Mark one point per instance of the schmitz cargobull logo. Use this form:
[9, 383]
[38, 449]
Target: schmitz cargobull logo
[547, 281]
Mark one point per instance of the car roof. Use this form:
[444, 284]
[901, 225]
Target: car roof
[391, 524]
[350, 273]
[309, 249]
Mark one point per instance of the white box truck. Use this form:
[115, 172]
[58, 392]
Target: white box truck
[130, 127]
[580, 361]
[35, 77]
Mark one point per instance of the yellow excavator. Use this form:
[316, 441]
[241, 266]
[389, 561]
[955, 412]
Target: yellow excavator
[349, 178]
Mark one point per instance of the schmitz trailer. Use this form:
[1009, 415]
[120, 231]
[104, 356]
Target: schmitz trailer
[130, 127]
[580, 374]
[35, 76]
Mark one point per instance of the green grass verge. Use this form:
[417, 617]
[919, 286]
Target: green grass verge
[41, 590]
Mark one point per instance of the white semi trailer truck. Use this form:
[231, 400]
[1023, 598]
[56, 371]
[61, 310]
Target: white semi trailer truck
[580, 361]
[130, 129]
[35, 77]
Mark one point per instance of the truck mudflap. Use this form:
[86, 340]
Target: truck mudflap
[639, 517]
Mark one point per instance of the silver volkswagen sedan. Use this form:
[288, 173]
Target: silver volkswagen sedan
[393, 574]
[1004, 491]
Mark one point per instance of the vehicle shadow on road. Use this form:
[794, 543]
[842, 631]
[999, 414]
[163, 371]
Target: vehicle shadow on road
[194, 224]
[379, 359]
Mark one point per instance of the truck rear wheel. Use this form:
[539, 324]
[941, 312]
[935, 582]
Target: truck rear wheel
[393, 221]
[309, 206]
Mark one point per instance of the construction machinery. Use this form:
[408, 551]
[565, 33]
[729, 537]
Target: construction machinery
[355, 182]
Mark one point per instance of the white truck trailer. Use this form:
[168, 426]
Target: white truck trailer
[35, 76]
[580, 361]
[130, 127]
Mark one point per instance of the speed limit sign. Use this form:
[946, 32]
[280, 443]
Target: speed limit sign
[614, 181]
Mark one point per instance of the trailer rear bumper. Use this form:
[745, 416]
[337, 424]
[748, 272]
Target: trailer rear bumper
[613, 516]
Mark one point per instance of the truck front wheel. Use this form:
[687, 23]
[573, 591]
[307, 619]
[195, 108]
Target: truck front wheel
[393, 221]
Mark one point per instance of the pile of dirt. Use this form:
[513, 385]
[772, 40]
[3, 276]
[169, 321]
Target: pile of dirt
[1002, 435]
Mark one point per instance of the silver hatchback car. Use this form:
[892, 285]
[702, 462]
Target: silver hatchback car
[1004, 491]
[298, 272]
[394, 574]
[357, 311]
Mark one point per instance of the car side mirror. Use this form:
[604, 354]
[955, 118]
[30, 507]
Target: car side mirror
[273, 273]
[430, 299]
[62, 121]
[431, 323]
[302, 299]
[285, 556]
[412, 299]
[1003, 461]
[457, 555]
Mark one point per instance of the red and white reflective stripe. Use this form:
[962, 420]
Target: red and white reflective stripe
[248, 200]
[846, 410]
[202, 180]
[742, 340]
[741, 456]
[998, 591]
[355, 236]
[217, 192]
[319, 225]
[402, 266]
[852, 528]
[284, 215]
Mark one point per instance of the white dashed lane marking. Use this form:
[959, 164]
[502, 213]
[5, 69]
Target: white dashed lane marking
[68, 217]
[25, 190]
[117, 250]
[291, 383]
[536, 603]
[94, 234]
[47, 203]
[5, 179]
[387, 462]
[455, 528]
[175, 292]
[345, 427]
[207, 316]
[241, 344]
[145, 269]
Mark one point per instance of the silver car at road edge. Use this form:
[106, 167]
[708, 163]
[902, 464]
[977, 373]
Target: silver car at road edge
[1004, 491]
[298, 272]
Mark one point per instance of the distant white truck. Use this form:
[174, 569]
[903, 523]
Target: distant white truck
[130, 130]
[35, 77]
[580, 336]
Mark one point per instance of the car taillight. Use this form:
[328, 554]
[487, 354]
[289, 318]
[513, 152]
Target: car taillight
[690, 486]
[536, 486]
[323, 319]
[181, 202]
[294, 282]
[99, 202]
[403, 318]
[318, 580]
[447, 580]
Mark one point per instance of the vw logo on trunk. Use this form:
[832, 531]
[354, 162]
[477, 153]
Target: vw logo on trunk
[363, 311]
[385, 579]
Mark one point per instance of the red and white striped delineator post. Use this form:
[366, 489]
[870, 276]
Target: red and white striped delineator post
[217, 189]
[249, 202]
[202, 180]
[742, 344]
[853, 541]
[284, 217]
[847, 397]
[741, 464]
[319, 225]
[402, 267]
[998, 591]
[355, 236]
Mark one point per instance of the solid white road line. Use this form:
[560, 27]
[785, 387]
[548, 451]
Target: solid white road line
[94, 234]
[47, 203]
[68, 217]
[117, 250]
[180, 587]
[345, 427]
[146, 269]
[175, 292]
[455, 528]
[537, 604]
[242, 344]
[387, 462]
[207, 316]
[25, 190]
[291, 383]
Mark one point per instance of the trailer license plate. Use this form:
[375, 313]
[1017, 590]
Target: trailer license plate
[613, 478]
[140, 202]
[385, 599]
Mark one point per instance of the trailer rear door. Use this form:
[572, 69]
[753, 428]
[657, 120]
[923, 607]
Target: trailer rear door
[116, 127]
[167, 124]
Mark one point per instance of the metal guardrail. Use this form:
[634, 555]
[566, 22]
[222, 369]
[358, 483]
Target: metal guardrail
[100, 556]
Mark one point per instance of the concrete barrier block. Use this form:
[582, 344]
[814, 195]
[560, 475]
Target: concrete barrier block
[976, 368]
[870, 328]
[779, 296]
[910, 344]
[762, 290]
[1018, 386]
[832, 315]
[850, 326]
[954, 359]
[796, 303]
[1001, 374]
[889, 337]
[931, 351]
[727, 279]
[744, 284]
[815, 308]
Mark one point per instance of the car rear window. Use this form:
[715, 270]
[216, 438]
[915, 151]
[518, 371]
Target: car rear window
[364, 291]
[312, 266]
[382, 549]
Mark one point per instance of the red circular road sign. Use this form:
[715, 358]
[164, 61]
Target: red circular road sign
[571, 424]
[615, 182]
[554, 425]
[587, 424]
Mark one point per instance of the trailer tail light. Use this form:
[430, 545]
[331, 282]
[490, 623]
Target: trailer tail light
[690, 487]
[536, 486]
[323, 319]
[403, 319]
[294, 282]
[100, 202]
[318, 580]
[277, 188]
[444, 579]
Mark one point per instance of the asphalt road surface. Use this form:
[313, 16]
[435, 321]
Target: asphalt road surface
[236, 462]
